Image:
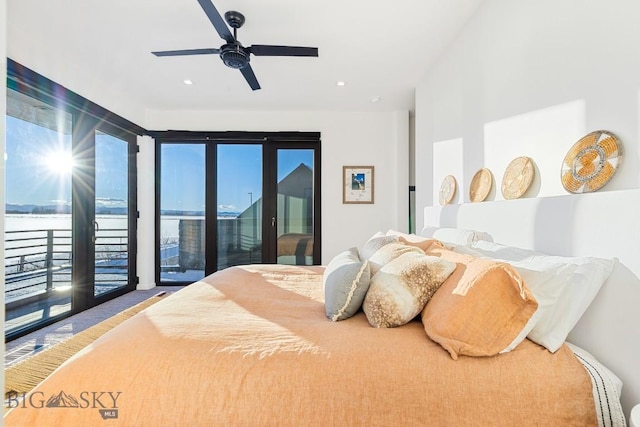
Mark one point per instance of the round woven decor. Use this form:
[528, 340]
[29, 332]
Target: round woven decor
[517, 178]
[480, 185]
[447, 190]
[591, 162]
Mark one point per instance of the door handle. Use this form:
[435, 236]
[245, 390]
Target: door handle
[96, 228]
[273, 221]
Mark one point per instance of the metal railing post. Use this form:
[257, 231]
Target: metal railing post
[49, 260]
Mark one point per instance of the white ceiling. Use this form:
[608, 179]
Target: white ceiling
[380, 49]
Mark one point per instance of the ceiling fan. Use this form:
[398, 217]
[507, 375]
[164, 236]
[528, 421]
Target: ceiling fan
[232, 53]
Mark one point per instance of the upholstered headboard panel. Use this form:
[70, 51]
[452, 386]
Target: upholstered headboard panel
[603, 224]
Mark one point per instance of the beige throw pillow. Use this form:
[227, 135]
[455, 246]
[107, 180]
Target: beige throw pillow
[388, 253]
[401, 288]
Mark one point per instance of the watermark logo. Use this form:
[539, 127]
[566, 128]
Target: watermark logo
[107, 414]
[106, 402]
[62, 400]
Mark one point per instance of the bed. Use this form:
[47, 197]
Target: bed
[256, 345]
[602, 224]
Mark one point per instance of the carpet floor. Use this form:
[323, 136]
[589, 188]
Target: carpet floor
[25, 374]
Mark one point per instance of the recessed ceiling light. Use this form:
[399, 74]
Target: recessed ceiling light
[340, 83]
[375, 99]
[188, 82]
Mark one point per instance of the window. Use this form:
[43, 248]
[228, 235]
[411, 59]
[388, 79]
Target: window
[235, 198]
[70, 214]
[182, 224]
[38, 256]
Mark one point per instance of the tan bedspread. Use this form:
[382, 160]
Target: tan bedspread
[250, 346]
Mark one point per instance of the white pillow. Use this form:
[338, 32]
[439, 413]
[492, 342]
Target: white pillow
[374, 243]
[455, 236]
[563, 286]
[500, 251]
[547, 283]
[583, 285]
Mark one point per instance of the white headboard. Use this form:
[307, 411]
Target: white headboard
[604, 224]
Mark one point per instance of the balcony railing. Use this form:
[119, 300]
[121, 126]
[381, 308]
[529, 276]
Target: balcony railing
[40, 261]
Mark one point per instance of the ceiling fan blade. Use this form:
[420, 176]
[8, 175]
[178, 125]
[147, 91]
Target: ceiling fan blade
[269, 50]
[216, 20]
[187, 52]
[247, 72]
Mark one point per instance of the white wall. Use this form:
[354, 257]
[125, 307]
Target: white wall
[146, 261]
[529, 79]
[83, 75]
[378, 139]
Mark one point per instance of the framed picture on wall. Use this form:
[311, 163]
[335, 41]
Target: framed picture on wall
[357, 184]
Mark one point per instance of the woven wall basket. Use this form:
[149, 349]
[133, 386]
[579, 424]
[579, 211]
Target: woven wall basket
[517, 178]
[447, 190]
[591, 162]
[480, 185]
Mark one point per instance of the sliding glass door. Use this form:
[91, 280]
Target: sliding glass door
[252, 199]
[239, 204]
[70, 214]
[182, 212]
[38, 256]
[113, 214]
[295, 215]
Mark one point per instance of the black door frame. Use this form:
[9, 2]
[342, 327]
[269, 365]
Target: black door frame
[83, 209]
[270, 190]
[271, 141]
[87, 117]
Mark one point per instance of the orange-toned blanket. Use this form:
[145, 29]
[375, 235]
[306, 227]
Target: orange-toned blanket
[251, 346]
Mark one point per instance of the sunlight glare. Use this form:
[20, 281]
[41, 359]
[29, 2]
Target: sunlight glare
[60, 162]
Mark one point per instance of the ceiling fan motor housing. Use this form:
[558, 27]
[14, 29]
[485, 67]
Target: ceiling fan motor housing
[234, 55]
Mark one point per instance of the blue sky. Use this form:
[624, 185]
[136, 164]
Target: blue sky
[38, 165]
[239, 174]
[32, 154]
